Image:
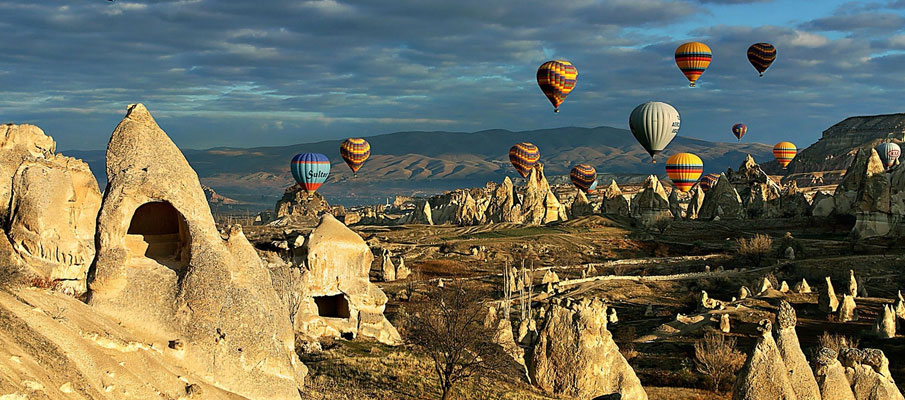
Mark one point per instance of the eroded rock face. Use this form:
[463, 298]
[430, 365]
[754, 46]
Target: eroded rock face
[575, 355]
[694, 205]
[164, 270]
[651, 203]
[581, 206]
[503, 206]
[764, 375]
[674, 207]
[827, 300]
[53, 210]
[337, 297]
[299, 207]
[831, 376]
[722, 201]
[868, 373]
[539, 204]
[800, 375]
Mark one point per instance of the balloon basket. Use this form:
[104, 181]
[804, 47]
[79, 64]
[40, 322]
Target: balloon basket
[691, 85]
[555, 110]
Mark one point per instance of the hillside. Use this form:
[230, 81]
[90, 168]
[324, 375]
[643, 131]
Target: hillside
[437, 161]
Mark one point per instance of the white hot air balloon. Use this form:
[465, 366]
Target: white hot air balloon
[889, 153]
[654, 124]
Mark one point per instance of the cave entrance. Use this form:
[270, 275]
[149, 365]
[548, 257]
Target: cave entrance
[158, 231]
[335, 306]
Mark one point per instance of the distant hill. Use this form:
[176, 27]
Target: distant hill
[403, 162]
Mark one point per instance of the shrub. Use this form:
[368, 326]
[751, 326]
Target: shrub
[837, 342]
[662, 223]
[789, 241]
[717, 358]
[755, 248]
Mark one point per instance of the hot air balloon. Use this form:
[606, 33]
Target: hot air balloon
[556, 79]
[784, 153]
[654, 125]
[355, 151]
[739, 130]
[310, 170]
[889, 153]
[583, 176]
[693, 59]
[761, 55]
[708, 181]
[593, 187]
[523, 156]
[684, 169]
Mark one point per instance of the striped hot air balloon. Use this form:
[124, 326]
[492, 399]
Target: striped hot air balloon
[739, 130]
[761, 55]
[708, 181]
[693, 59]
[583, 176]
[784, 153]
[556, 79]
[523, 156]
[684, 169]
[355, 151]
[310, 170]
[889, 153]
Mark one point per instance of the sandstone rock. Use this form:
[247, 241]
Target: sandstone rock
[611, 316]
[899, 306]
[827, 300]
[575, 355]
[885, 326]
[852, 289]
[722, 201]
[784, 287]
[694, 205]
[868, 373]
[831, 377]
[387, 269]
[421, 215]
[764, 375]
[298, 207]
[764, 286]
[802, 287]
[402, 271]
[549, 277]
[822, 205]
[847, 310]
[163, 269]
[793, 202]
[539, 205]
[581, 206]
[724, 323]
[651, 203]
[743, 293]
[503, 206]
[337, 297]
[614, 202]
[19, 143]
[674, 207]
[800, 375]
[649, 311]
[865, 193]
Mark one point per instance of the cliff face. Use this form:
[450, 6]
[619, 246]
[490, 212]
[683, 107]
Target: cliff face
[837, 147]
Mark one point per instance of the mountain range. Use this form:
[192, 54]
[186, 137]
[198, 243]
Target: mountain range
[429, 162]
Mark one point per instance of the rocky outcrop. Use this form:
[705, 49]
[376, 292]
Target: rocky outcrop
[865, 192]
[695, 203]
[868, 373]
[651, 203]
[827, 300]
[163, 269]
[847, 309]
[722, 201]
[539, 204]
[614, 202]
[387, 269]
[504, 206]
[822, 205]
[674, 207]
[800, 375]
[764, 375]
[337, 297]
[576, 356]
[300, 208]
[581, 206]
[885, 326]
[758, 193]
[831, 377]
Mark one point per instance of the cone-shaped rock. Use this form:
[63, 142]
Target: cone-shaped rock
[852, 289]
[802, 287]
[827, 300]
[581, 206]
[694, 205]
[614, 202]
[800, 374]
[723, 201]
[651, 203]
[764, 375]
[885, 326]
[868, 373]
[848, 310]
[831, 377]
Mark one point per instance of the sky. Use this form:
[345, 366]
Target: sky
[246, 73]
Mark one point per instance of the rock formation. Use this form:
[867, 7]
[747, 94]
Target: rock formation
[674, 207]
[827, 300]
[759, 195]
[831, 377]
[695, 203]
[612, 318]
[885, 326]
[387, 269]
[421, 215]
[614, 202]
[865, 193]
[800, 375]
[722, 201]
[402, 271]
[847, 309]
[539, 204]
[298, 207]
[575, 355]
[838, 143]
[764, 375]
[899, 306]
[163, 269]
[581, 206]
[724, 323]
[802, 287]
[651, 203]
[822, 205]
[868, 373]
[852, 289]
[549, 277]
[504, 206]
[337, 298]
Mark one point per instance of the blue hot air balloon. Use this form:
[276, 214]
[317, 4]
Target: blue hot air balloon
[310, 170]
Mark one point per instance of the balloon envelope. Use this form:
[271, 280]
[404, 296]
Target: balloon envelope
[739, 130]
[693, 58]
[556, 79]
[784, 153]
[708, 181]
[583, 176]
[654, 124]
[761, 55]
[593, 186]
[684, 169]
[355, 151]
[889, 153]
[523, 157]
[310, 170]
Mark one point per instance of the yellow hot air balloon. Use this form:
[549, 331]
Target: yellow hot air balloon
[784, 153]
[693, 59]
[684, 169]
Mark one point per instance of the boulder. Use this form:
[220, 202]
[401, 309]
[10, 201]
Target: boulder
[651, 203]
[576, 356]
[614, 202]
[868, 373]
[764, 375]
[800, 375]
[163, 269]
[827, 300]
[337, 297]
[722, 201]
[831, 377]
[885, 326]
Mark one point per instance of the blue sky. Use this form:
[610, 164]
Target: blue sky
[244, 73]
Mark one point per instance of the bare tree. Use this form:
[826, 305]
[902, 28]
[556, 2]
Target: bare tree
[717, 357]
[450, 329]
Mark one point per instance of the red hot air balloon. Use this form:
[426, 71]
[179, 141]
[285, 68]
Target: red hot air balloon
[739, 130]
[583, 176]
[523, 156]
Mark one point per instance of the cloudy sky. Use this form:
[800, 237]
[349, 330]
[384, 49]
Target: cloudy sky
[252, 73]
